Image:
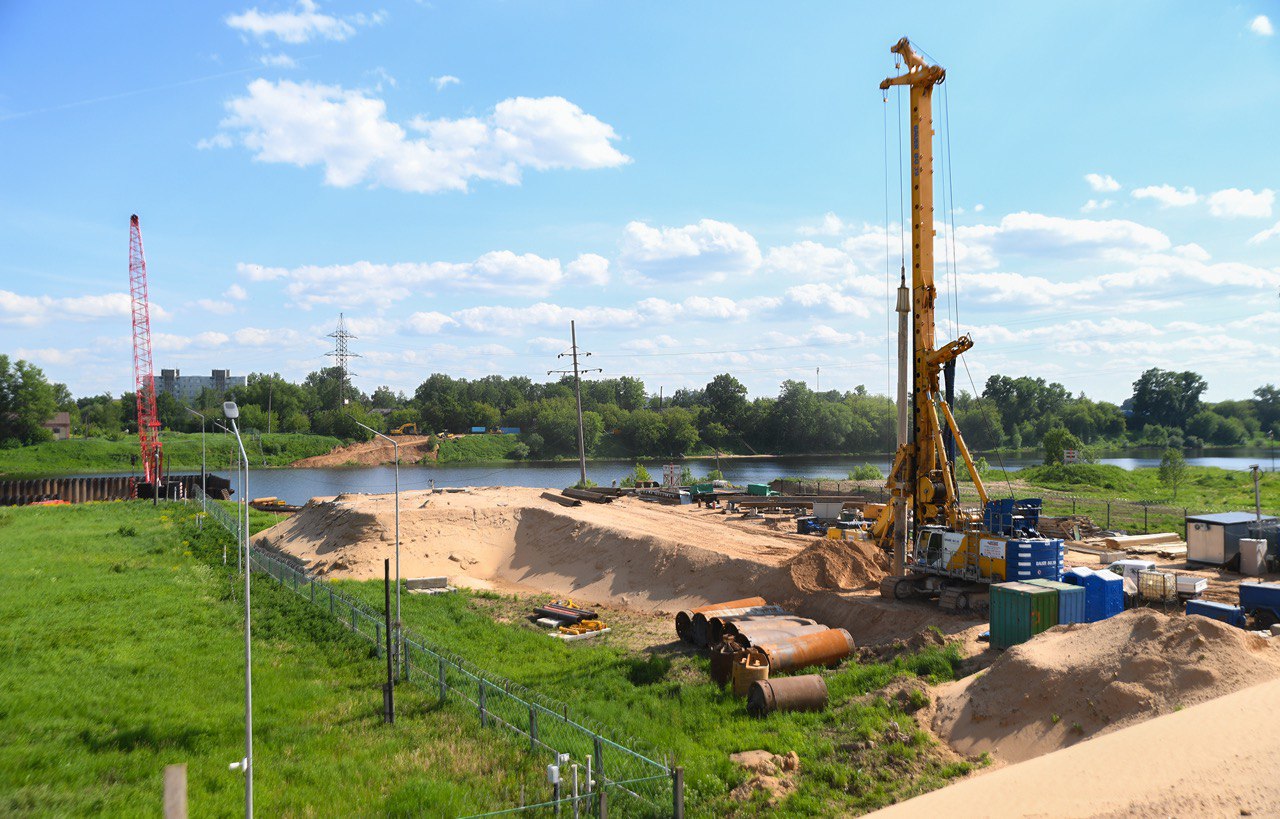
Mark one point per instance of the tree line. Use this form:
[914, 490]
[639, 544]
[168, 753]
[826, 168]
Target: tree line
[622, 418]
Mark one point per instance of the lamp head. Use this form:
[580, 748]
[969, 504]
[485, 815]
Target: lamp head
[230, 410]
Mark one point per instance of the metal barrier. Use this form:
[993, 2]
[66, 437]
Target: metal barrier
[623, 778]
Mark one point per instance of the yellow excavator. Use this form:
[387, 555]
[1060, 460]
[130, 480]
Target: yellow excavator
[405, 429]
[955, 553]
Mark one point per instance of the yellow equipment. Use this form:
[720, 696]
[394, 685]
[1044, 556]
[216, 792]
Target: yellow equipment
[405, 429]
[953, 549]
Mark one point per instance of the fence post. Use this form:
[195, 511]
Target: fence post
[353, 619]
[1184, 523]
[602, 806]
[444, 685]
[533, 729]
[598, 751]
[313, 591]
[1073, 506]
[1146, 527]
[483, 701]
[331, 607]
[677, 792]
[377, 642]
[1108, 515]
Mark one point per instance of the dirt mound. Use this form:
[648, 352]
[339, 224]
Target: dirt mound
[1074, 682]
[838, 565]
[628, 553]
[413, 448]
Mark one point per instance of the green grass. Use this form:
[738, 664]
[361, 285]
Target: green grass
[670, 703]
[121, 651]
[472, 448]
[182, 451]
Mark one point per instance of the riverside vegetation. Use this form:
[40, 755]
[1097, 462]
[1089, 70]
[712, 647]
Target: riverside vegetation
[623, 419]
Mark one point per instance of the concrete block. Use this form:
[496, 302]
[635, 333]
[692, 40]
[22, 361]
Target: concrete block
[420, 583]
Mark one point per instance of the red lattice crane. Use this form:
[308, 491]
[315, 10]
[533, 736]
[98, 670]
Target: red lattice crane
[143, 372]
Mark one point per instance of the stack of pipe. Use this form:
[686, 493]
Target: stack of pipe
[568, 614]
[709, 626]
[769, 628]
[684, 619]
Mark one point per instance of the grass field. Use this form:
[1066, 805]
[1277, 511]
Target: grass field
[474, 448]
[87, 455]
[121, 651]
[852, 756]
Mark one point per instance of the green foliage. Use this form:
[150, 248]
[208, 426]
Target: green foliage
[1056, 442]
[866, 472]
[1167, 398]
[1173, 469]
[638, 476]
[27, 400]
[487, 447]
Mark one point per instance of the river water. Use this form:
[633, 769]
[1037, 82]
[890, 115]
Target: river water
[298, 485]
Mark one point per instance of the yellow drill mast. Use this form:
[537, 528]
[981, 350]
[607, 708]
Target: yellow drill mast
[922, 472]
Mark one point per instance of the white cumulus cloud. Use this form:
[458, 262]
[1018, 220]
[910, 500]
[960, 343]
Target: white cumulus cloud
[1233, 202]
[302, 24]
[1261, 25]
[589, 268]
[706, 251]
[1102, 183]
[347, 133]
[444, 81]
[1167, 195]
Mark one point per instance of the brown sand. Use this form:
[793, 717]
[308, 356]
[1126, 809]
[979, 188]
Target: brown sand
[413, 448]
[1217, 758]
[630, 552]
[1078, 681]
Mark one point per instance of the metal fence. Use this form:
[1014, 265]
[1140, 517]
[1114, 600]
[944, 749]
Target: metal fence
[613, 776]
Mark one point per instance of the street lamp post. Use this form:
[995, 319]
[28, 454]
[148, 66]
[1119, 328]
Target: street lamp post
[204, 489]
[240, 481]
[396, 447]
[232, 412]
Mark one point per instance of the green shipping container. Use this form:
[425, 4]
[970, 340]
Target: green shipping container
[761, 489]
[1019, 611]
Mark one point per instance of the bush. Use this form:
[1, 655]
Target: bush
[638, 475]
[866, 472]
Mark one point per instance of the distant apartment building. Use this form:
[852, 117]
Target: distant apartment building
[187, 387]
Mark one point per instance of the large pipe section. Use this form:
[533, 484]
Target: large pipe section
[806, 693]
[684, 619]
[708, 626]
[823, 648]
[773, 635]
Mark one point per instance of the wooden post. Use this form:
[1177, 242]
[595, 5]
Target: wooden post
[175, 791]
[391, 686]
[677, 792]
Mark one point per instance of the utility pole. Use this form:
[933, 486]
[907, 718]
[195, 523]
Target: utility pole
[817, 387]
[577, 394]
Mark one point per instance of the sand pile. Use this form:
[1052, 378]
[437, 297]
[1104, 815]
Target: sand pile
[413, 448]
[841, 565]
[1078, 681]
[628, 553]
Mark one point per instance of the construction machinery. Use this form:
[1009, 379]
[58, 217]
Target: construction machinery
[143, 371]
[956, 553]
[405, 429]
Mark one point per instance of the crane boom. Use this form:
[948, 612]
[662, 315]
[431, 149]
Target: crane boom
[143, 370]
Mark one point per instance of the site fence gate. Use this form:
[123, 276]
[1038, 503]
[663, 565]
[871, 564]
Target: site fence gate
[624, 780]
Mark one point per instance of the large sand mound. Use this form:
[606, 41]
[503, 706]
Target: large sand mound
[629, 552]
[1074, 682]
[1217, 758]
[373, 453]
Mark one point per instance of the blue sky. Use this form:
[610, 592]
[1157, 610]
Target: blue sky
[700, 186]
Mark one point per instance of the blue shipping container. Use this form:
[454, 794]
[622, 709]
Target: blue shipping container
[477, 429]
[1231, 615]
[509, 430]
[1070, 600]
[1032, 558]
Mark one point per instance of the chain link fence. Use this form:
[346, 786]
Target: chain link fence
[619, 775]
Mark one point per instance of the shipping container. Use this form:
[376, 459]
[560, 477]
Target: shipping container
[1070, 600]
[1019, 611]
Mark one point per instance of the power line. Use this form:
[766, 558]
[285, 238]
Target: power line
[577, 394]
[342, 354]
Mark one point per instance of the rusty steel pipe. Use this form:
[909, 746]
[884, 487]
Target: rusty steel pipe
[804, 693]
[774, 635]
[702, 621]
[742, 625]
[684, 619]
[823, 648]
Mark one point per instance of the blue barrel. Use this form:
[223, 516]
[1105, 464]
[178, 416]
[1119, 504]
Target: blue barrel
[1032, 558]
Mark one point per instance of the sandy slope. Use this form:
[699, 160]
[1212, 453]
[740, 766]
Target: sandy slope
[413, 448]
[1218, 758]
[643, 556]
[1079, 681]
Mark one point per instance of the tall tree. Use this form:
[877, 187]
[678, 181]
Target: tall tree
[27, 400]
[1167, 398]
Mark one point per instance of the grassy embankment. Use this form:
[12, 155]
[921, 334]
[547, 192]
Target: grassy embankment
[476, 448]
[121, 651]
[182, 450]
[853, 757]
